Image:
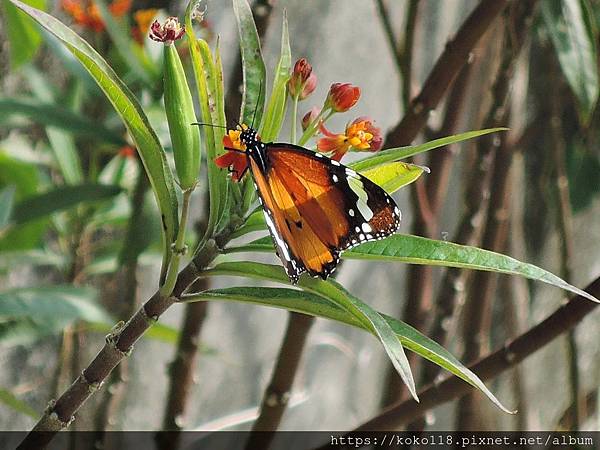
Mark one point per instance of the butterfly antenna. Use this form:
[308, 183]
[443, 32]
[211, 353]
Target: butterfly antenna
[202, 124]
[257, 102]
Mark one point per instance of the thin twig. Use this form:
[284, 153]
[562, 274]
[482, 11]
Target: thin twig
[562, 320]
[407, 51]
[278, 391]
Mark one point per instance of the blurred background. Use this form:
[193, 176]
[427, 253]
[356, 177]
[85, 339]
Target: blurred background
[530, 193]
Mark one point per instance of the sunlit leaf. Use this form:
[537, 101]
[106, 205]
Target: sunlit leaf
[395, 154]
[392, 176]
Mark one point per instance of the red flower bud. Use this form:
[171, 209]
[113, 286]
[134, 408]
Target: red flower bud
[303, 81]
[310, 116]
[167, 33]
[342, 96]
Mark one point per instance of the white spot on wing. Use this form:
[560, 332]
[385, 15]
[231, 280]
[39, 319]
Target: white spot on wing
[366, 228]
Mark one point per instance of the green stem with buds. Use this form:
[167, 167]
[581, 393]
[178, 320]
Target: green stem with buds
[310, 131]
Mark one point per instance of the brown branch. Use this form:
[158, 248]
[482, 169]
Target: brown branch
[420, 278]
[407, 51]
[562, 320]
[477, 314]
[127, 304]
[181, 371]
[565, 230]
[384, 16]
[444, 72]
[119, 344]
[278, 392]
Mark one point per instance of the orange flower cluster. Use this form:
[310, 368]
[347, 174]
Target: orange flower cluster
[87, 14]
[235, 161]
[361, 134]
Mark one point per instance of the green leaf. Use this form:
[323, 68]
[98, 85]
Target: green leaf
[128, 107]
[254, 222]
[10, 400]
[392, 176]
[584, 175]
[49, 114]
[24, 176]
[35, 257]
[60, 199]
[419, 250]
[394, 154]
[275, 113]
[7, 197]
[23, 35]
[363, 313]
[253, 66]
[209, 89]
[28, 314]
[571, 29]
[319, 306]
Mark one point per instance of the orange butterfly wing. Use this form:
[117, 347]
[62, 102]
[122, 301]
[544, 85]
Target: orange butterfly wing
[316, 207]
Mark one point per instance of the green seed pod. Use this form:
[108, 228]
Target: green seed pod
[180, 115]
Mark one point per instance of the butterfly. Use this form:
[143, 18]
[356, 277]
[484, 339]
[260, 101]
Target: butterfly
[314, 207]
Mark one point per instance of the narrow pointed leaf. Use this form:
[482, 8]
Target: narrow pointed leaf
[253, 66]
[361, 311]
[275, 112]
[128, 107]
[419, 250]
[319, 306]
[392, 176]
[395, 154]
[59, 199]
[570, 25]
[9, 400]
[50, 114]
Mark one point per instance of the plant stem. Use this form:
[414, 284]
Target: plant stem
[294, 119]
[312, 128]
[562, 320]
[179, 246]
[279, 389]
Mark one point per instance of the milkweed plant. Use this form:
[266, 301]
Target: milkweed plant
[200, 132]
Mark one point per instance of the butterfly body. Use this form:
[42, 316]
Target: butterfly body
[315, 207]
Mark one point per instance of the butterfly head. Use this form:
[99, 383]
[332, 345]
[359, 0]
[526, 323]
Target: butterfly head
[248, 136]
